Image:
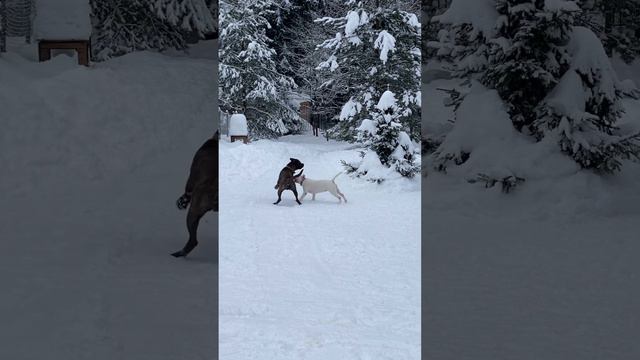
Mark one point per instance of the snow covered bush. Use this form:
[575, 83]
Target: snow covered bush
[387, 145]
[376, 47]
[582, 111]
[250, 82]
[124, 26]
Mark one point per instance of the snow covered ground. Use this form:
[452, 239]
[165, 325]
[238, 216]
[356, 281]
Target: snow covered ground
[320, 280]
[549, 271]
[92, 161]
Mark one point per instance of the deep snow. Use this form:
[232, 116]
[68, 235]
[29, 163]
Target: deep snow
[549, 271]
[321, 280]
[93, 160]
[62, 20]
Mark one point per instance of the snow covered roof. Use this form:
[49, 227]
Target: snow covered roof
[62, 20]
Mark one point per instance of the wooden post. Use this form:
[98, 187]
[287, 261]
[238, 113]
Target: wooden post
[44, 53]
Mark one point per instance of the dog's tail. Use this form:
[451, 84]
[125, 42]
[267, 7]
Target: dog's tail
[183, 201]
[338, 174]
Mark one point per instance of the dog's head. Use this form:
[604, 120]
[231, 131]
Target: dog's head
[300, 178]
[295, 164]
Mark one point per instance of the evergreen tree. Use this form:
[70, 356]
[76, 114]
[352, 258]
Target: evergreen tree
[583, 110]
[430, 9]
[124, 26]
[615, 23]
[529, 55]
[465, 30]
[250, 82]
[376, 48]
[383, 136]
[187, 15]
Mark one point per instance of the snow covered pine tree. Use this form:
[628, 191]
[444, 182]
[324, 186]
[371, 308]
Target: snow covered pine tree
[387, 145]
[528, 54]
[249, 79]
[582, 111]
[377, 48]
[554, 77]
[122, 26]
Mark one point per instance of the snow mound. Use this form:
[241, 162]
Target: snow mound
[483, 131]
[588, 53]
[350, 109]
[385, 42]
[153, 90]
[387, 101]
[238, 125]
[62, 20]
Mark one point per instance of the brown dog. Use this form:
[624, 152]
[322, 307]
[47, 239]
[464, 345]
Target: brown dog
[286, 180]
[201, 190]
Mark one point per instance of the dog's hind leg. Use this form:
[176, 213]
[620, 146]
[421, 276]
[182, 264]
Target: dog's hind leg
[193, 220]
[280, 190]
[341, 194]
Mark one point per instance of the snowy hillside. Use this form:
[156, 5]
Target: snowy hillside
[93, 160]
[320, 280]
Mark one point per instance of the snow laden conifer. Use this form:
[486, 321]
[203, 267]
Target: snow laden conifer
[187, 15]
[528, 54]
[376, 47]
[465, 30]
[615, 23]
[124, 26]
[582, 111]
[388, 146]
[250, 82]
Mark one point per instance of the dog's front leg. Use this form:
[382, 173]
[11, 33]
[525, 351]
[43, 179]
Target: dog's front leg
[304, 193]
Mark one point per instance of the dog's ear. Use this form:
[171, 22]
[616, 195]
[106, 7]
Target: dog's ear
[291, 159]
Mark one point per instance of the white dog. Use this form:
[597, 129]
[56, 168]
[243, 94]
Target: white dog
[317, 186]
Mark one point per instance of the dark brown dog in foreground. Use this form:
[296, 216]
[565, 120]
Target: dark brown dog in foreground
[286, 180]
[201, 191]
